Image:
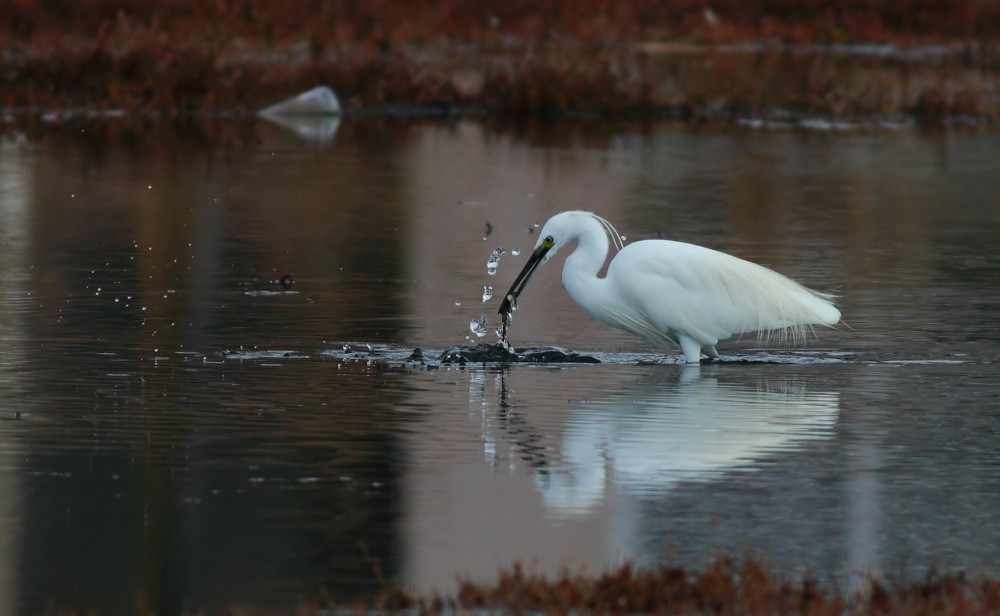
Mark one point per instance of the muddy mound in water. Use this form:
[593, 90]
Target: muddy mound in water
[497, 353]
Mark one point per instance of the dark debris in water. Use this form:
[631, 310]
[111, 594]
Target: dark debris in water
[383, 356]
[497, 353]
[360, 349]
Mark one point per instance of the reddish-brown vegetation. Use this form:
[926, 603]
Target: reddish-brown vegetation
[725, 587]
[632, 57]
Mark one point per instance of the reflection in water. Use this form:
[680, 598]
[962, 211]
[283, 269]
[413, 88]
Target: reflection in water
[199, 483]
[651, 435]
[15, 214]
[317, 129]
[565, 481]
[134, 257]
[194, 480]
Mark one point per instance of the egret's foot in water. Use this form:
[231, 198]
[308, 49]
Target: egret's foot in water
[691, 349]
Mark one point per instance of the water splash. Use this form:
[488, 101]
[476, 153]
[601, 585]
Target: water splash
[479, 326]
[494, 261]
[515, 251]
[501, 332]
[506, 318]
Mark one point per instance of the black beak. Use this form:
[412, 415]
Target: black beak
[509, 303]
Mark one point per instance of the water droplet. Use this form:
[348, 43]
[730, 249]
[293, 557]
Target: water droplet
[478, 327]
[458, 303]
[487, 293]
[515, 251]
[149, 186]
[494, 261]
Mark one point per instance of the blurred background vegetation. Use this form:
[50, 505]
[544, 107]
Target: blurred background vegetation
[927, 58]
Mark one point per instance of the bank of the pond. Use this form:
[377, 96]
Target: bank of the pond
[933, 62]
[728, 586]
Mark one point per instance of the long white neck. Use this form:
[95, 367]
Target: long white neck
[579, 274]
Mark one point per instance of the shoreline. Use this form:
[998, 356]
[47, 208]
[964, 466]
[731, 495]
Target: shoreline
[634, 60]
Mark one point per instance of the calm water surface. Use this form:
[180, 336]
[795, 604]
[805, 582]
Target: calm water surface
[180, 428]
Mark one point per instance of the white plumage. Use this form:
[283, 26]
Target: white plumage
[663, 290]
[650, 434]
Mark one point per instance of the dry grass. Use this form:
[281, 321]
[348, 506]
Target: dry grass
[515, 58]
[726, 587]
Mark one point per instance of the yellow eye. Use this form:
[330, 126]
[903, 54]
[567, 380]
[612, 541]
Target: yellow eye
[548, 241]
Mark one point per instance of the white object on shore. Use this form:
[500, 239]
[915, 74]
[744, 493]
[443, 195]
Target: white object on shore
[313, 115]
[318, 101]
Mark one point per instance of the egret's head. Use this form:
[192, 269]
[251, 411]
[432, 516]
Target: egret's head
[557, 232]
[560, 230]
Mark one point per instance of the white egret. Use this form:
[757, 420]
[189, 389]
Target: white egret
[664, 291]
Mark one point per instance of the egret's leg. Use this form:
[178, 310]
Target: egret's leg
[691, 349]
[711, 352]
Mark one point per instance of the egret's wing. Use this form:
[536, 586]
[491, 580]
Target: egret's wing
[709, 295]
[676, 302]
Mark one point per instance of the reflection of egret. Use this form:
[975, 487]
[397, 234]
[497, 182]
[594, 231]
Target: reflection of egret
[312, 128]
[651, 436]
[671, 291]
